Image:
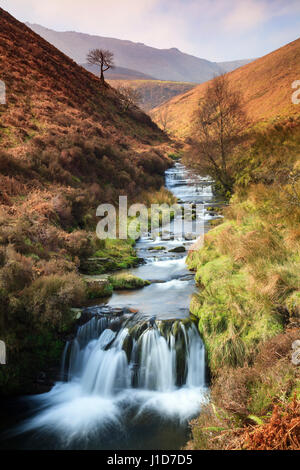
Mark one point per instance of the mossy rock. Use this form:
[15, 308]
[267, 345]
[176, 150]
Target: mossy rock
[156, 248]
[127, 281]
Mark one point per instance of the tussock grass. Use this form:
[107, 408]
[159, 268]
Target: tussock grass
[248, 304]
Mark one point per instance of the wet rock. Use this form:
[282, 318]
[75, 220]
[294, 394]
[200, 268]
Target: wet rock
[127, 346]
[187, 277]
[77, 313]
[178, 249]
[118, 311]
[189, 236]
[158, 248]
[132, 310]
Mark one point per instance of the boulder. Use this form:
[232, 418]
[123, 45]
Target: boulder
[178, 249]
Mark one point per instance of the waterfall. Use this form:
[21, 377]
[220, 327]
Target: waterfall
[107, 371]
[63, 360]
[125, 383]
[137, 355]
[157, 371]
[195, 359]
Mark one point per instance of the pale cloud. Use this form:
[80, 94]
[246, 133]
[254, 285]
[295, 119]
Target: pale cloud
[213, 29]
[245, 15]
[136, 20]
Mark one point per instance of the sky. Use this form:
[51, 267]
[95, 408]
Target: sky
[216, 30]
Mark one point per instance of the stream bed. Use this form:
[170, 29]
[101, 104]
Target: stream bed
[129, 380]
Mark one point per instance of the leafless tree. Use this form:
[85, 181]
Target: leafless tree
[130, 97]
[163, 118]
[102, 58]
[220, 123]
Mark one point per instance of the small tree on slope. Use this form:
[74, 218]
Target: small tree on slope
[102, 58]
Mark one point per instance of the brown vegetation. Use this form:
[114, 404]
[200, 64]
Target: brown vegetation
[67, 145]
[265, 83]
[153, 92]
[219, 125]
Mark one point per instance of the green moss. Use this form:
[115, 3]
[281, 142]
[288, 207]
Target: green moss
[114, 255]
[127, 281]
[234, 315]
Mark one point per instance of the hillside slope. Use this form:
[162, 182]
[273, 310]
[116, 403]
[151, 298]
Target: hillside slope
[163, 64]
[54, 105]
[153, 92]
[265, 85]
[67, 145]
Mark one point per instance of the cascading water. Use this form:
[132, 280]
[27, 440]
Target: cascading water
[124, 376]
[127, 383]
[110, 363]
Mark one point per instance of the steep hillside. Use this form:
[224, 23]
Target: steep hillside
[164, 64]
[66, 146]
[154, 92]
[265, 85]
[55, 107]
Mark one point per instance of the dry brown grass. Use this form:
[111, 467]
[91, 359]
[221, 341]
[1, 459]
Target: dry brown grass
[282, 432]
[265, 84]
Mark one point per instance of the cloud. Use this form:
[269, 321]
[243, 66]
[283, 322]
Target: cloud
[213, 29]
[245, 15]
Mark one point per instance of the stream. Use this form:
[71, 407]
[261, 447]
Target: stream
[134, 375]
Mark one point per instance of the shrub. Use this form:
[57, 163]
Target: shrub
[17, 271]
[79, 243]
[49, 298]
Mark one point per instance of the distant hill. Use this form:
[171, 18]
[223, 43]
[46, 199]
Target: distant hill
[154, 92]
[234, 64]
[265, 85]
[118, 73]
[163, 64]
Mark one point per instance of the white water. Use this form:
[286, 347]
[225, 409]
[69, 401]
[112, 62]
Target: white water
[130, 385]
[104, 384]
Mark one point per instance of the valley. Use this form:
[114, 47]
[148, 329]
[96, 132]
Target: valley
[177, 338]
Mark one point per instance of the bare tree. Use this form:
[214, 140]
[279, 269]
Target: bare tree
[130, 97]
[220, 123]
[163, 117]
[102, 58]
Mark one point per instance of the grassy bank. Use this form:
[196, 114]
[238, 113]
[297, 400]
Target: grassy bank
[248, 304]
[42, 263]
